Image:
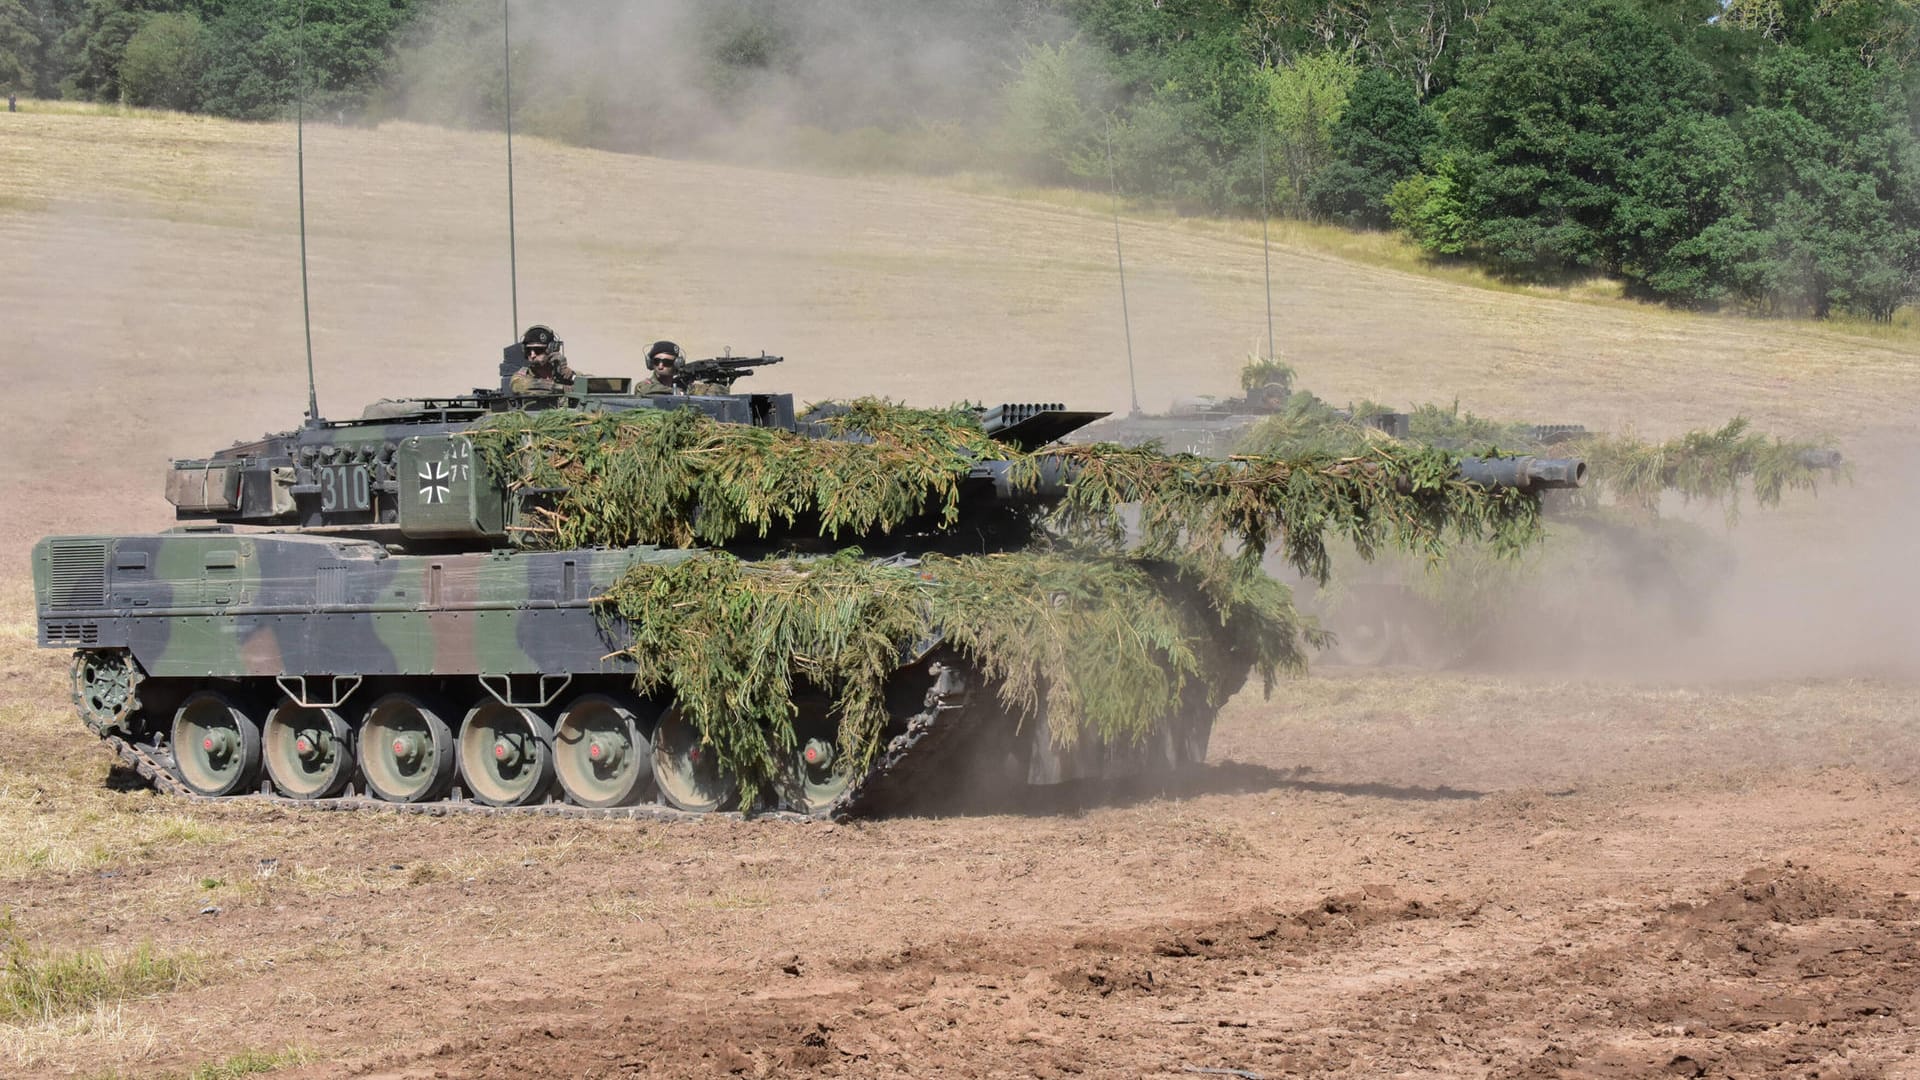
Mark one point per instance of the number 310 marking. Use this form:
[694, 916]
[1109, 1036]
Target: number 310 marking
[345, 487]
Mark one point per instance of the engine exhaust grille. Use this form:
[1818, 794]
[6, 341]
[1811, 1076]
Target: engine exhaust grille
[72, 633]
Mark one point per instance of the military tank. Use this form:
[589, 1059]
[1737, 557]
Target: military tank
[377, 612]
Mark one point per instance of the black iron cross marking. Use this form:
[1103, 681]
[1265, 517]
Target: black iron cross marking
[434, 482]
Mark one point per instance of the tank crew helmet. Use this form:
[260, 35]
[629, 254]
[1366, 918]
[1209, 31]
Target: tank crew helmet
[664, 352]
[539, 343]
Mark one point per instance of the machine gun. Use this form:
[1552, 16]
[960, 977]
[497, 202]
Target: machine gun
[720, 369]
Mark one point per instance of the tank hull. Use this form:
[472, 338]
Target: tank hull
[329, 670]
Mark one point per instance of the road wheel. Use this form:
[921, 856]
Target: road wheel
[819, 773]
[309, 751]
[600, 754]
[406, 750]
[216, 746]
[687, 770]
[506, 755]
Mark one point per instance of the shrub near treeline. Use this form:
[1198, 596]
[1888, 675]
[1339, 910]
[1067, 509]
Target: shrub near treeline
[1757, 154]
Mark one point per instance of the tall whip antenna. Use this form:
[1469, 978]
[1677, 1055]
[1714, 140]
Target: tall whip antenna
[1266, 255]
[1126, 323]
[513, 255]
[300, 170]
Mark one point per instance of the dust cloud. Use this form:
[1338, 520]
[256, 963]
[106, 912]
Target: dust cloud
[745, 81]
[1830, 588]
[1821, 587]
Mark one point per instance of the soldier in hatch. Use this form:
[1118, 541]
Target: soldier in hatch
[546, 371]
[663, 360]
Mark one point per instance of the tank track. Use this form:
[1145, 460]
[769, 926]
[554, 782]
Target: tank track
[951, 713]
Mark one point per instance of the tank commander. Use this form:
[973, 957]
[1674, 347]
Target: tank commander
[546, 371]
[663, 360]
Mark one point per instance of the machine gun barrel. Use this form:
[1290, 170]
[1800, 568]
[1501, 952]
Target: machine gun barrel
[720, 369]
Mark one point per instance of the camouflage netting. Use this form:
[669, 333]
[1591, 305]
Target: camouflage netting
[680, 478]
[1142, 582]
[1711, 465]
[1109, 645]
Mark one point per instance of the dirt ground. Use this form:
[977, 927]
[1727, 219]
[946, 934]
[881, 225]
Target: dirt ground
[1616, 855]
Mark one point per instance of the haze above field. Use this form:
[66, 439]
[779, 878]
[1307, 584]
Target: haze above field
[154, 292]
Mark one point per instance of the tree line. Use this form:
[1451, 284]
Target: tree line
[1748, 153]
[1752, 154]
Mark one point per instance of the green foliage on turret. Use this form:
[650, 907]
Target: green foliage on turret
[1134, 585]
[679, 478]
[1259, 372]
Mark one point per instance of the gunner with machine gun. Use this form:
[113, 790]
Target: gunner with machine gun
[663, 359]
[546, 371]
[673, 373]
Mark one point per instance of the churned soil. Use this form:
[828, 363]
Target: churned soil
[1631, 859]
[1379, 874]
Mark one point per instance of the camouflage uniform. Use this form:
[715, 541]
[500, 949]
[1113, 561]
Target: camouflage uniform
[652, 387]
[549, 376]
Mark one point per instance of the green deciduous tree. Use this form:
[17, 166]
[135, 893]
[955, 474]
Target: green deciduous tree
[254, 44]
[1551, 114]
[1836, 186]
[1056, 111]
[19, 45]
[1379, 141]
[96, 42]
[1304, 101]
[165, 61]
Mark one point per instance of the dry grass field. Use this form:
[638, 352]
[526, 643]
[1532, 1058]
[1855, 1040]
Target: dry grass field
[1618, 856]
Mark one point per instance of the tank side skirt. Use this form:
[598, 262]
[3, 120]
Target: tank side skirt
[238, 605]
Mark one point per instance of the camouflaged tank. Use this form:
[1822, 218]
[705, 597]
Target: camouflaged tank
[344, 616]
[383, 638]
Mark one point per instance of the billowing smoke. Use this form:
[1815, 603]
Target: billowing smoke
[860, 82]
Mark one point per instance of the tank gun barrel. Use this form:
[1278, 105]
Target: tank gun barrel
[1050, 475]
[1525, 473]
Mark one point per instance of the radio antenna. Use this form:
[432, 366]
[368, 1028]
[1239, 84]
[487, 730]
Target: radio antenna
[1120, 261]
[1266, 255]
[513, 255]
[300, 172]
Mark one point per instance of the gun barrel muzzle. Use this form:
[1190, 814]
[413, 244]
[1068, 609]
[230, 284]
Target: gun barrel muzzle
[1525, 473]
